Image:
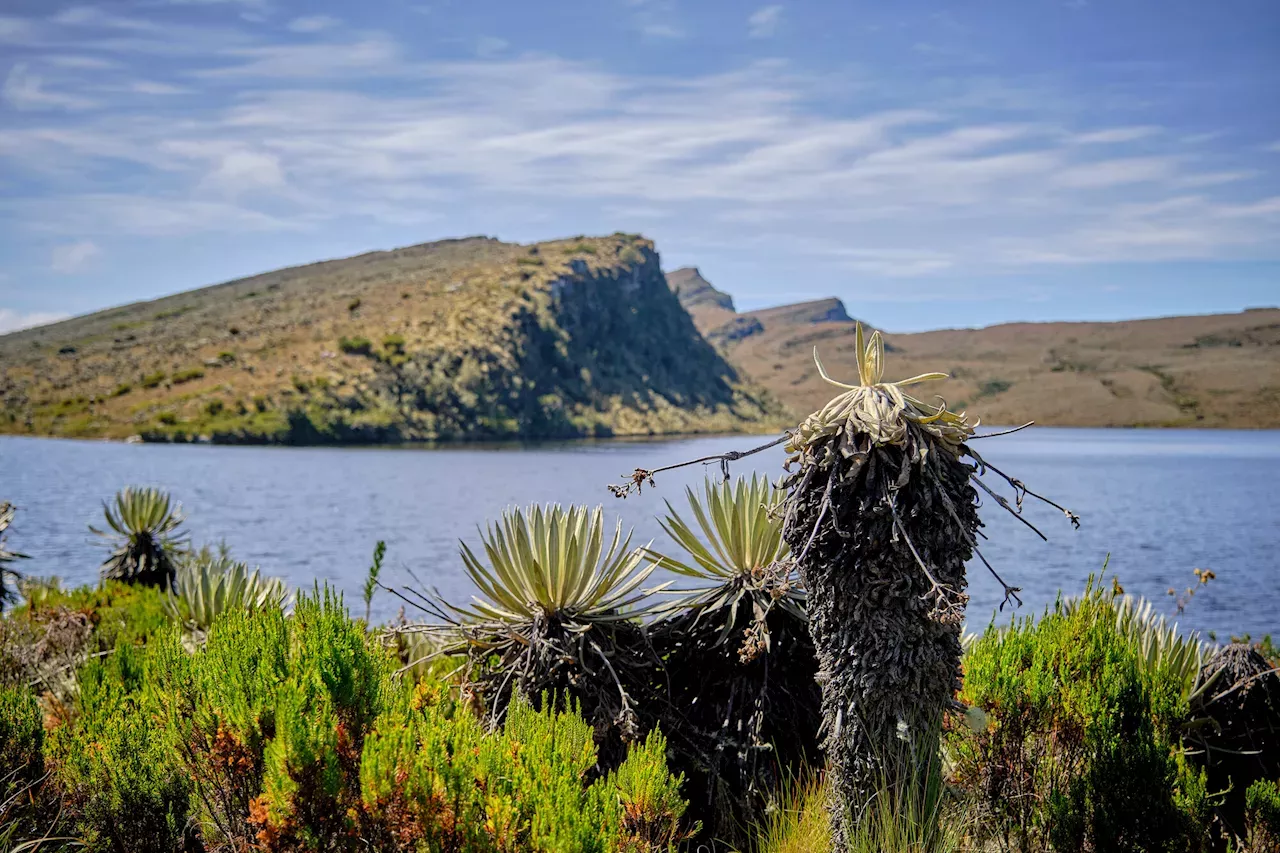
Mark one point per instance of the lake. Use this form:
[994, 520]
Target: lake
[1160, 502]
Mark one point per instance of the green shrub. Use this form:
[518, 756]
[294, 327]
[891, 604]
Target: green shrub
[118, 611]
[187, 375]
[1262, 815]
[1080, 749]
[433, 779]
[26, 809]
[356, 345]
[275, 712]
[151, 380]
[118, 766]
[393, 343]
[21, 739]
[214, 408]
[122, 389]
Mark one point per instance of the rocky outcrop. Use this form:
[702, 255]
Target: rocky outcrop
[694, 291]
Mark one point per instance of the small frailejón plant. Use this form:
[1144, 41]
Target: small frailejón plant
[7, 558]
[143, 527]
[881, 515]
[738, 556]
[208, 584]
[556, 615]
[737, 654]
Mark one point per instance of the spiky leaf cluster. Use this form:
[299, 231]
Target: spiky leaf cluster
[738, 662]
[208, 584]
[737, 553]
[7, 557]
[558, 616]
[143, 525]
[877, 410]
[550, 561]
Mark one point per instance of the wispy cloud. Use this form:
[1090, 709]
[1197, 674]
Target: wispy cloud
[490, 46]
[73, 257]
[313, 23]
[1116, 134]
[25, 90]
[763, 22]
[12, 321]
[300, 133]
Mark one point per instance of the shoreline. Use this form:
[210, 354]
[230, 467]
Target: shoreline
[518, 441]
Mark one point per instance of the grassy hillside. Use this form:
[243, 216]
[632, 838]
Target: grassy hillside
[1211, 371]
[465, 338]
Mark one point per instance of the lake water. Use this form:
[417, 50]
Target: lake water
[1161, 503]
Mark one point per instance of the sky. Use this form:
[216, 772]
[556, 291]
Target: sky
[933, 164]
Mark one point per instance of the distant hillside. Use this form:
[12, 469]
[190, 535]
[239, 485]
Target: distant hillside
[1212, 371]
[468, 338]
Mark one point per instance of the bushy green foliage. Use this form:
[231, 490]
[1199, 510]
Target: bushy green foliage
[24, 810]
[1080, 743]
[356, 345]
[293, 733]
[187, 375]
[432, 779]
[21, 742]
[119, 612]
[273, 712]
[118, 766]
[1262, 815]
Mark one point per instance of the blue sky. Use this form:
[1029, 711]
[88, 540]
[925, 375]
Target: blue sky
[933, 164]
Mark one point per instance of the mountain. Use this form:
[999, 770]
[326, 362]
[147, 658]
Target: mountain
[470, 338]
[1213, 371]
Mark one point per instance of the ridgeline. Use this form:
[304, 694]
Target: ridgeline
[1220, 370]
[459, 339]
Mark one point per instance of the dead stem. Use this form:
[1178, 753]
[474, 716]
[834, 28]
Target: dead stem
[1004, 431]
[1020, 488]
[641, 476]
[943, 606]
[1004, 502]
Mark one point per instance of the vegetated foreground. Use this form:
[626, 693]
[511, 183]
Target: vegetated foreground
[460, 339]
[194, 708]
[1218, 370]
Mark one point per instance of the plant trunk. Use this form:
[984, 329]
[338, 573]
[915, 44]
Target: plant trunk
[886, 637]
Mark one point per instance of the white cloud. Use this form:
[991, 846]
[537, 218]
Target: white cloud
[72, 257]
[662, 31]
[1113, 173]
[373, 55]
[1274, 147]
[763, 22]
[12, 321]
[92, 63]
[15, 29]
[490, 46]
[25, 90]
[1115, 134]
[313, 23]
[245, 171]
[293, 136]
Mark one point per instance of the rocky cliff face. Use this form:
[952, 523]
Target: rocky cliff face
[464, 339]
[695, 291]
